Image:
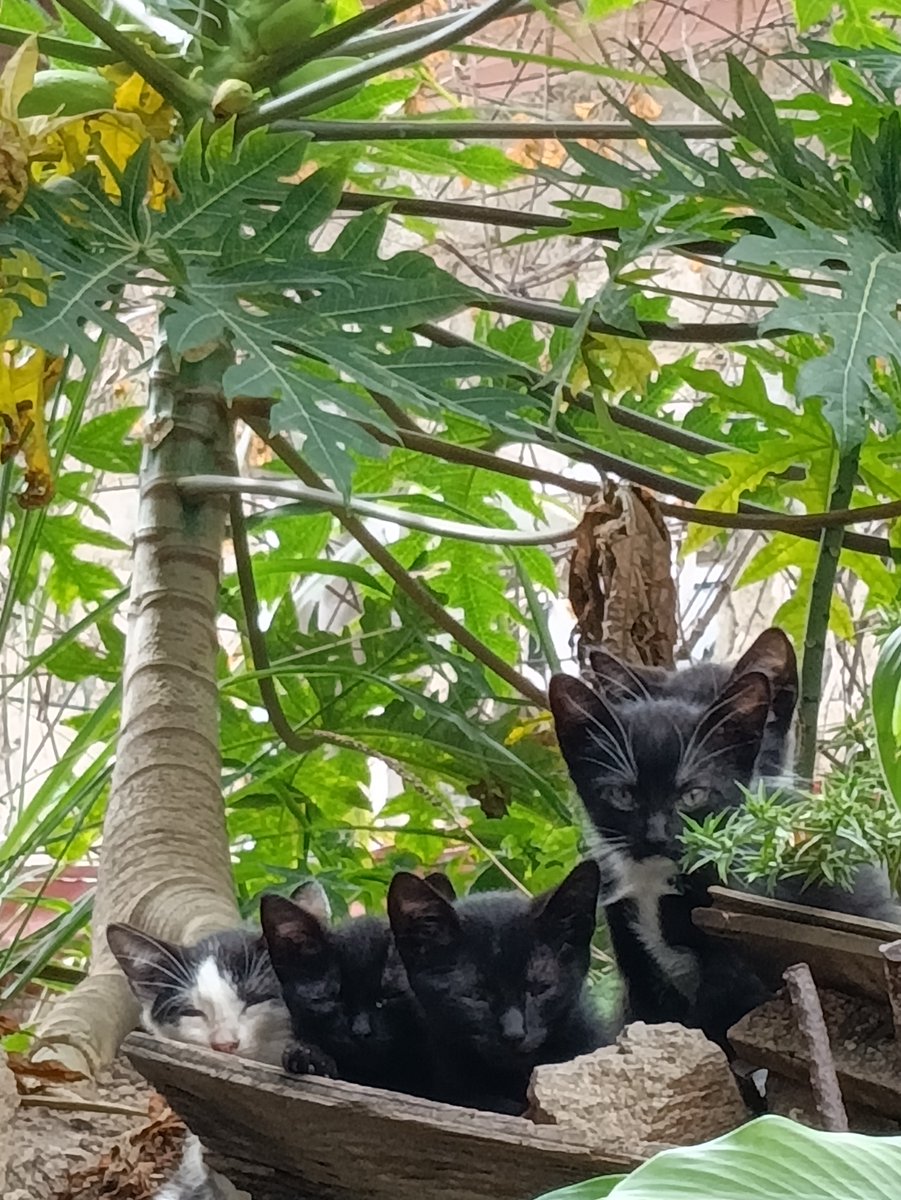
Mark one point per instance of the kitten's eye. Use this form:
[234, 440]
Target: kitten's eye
[191, 1012]
[618, 797]
[694, 797]
[380, 1004]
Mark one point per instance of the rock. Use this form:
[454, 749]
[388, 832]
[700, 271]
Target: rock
[658, 1085]
[9, 1103]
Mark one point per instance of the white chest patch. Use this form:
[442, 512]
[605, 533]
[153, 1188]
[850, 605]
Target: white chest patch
[644, 883]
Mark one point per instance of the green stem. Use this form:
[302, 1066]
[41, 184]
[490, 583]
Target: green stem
[818, 615]
[295, 102]
[538, 614]
[183, 95]
[427, 128]
[55, 47]
[291, 56]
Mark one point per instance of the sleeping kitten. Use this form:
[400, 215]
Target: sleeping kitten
[501, 980]
[641, 761]
[353, 1014]
[220, 992]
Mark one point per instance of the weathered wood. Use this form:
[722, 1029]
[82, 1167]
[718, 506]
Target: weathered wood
[283, 1138]
[841, 950]
[867, 1057]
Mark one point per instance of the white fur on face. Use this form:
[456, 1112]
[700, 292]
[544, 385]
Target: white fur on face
[258, 1031]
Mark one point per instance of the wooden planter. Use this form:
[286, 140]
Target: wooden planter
[282, 1138]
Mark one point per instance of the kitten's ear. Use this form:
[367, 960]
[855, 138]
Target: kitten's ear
[149, 963]
[736, 721]
[423, 922]
[567, 916]
[293, 934]
[442, 885]
[311, 896]
[773, 655]
[580, 713]
[619, 681]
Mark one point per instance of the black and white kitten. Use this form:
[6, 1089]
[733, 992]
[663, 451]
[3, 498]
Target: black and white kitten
[643, 749]
[501, 979]
[353, 1014]
[220, 992]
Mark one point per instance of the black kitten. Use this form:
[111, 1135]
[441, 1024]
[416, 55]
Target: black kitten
[640, 760]
[352, 1010]
[501, 980]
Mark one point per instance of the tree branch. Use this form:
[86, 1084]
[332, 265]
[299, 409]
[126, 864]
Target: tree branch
[749, 516]
[341, 506]
[506, 218]
[415, 590]
[428, 128]
[183, 95]
[811, 682]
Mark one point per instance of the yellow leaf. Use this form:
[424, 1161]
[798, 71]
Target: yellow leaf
[135, 95]
[27, 377]
[630, 363]
[17, 77]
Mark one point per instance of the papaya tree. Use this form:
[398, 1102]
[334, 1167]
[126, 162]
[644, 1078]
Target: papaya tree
[197, 169]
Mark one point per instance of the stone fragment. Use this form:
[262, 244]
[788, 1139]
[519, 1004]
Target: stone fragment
[658, 1085]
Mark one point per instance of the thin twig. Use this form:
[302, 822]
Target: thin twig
[415, 590]
[811, 1023]
[185, 96]
[76, 1104]
[228, 485]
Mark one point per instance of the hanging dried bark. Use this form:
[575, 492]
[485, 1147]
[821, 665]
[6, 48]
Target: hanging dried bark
[620, 578]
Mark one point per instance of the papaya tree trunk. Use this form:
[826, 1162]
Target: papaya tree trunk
[164, 863]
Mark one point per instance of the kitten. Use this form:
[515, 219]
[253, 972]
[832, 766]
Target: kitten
[352, 1011]
[501, 980]
[221, 992]
[640, 760]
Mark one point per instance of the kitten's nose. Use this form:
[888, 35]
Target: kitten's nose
[513, 1027]
[225, 1047]
[360, 1026]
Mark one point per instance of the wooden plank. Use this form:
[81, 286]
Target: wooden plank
[841, 950]
[803, 914]
[867, 1057]
[283, 1138]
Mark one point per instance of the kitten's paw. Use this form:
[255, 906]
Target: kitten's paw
[300, 1058]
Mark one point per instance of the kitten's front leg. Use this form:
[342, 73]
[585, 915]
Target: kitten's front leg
[300, 1058]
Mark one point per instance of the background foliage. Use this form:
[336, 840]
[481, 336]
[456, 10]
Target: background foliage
[407, 666]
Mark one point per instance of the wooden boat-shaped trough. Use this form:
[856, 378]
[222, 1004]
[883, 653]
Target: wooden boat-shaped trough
[283, 1138]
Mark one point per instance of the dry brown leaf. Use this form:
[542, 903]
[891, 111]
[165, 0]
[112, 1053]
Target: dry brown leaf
[643, 105]
[35, 1076]
[532, 152]
[136, 1170]
[8, 1025]
[584, 109]
[620, 578]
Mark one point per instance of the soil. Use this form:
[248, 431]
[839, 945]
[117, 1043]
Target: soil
[70, 1152]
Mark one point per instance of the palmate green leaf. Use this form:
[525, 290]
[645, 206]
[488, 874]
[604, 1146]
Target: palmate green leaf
[231, 257]
[771, 1158]
[860, 321]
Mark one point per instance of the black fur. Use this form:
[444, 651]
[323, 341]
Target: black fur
[351, 1007]
[501, 980]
